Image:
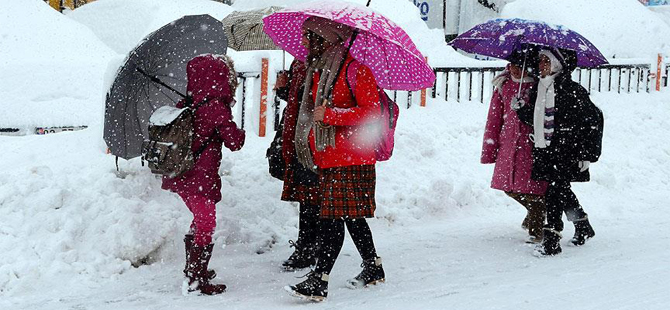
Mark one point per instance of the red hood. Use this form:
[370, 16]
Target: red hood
[208, 79]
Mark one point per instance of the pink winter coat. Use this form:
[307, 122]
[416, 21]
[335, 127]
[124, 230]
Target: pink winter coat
[208, 79]
[507, 144]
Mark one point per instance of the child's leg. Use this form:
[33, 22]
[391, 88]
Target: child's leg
[204, 218]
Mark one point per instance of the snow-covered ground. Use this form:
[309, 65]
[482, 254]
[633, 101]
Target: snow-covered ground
[72, 227]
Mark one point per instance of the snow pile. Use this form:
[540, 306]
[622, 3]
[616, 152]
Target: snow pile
[663, 12]
[65, 210]
[165, 115]
[121, 24]
[50, 67]
[618, 28]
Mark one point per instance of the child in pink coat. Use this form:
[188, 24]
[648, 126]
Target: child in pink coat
[211, 79]
[507, 144]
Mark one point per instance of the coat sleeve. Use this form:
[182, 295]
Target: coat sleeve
[366, 95]
[493, 127]
[233, 137]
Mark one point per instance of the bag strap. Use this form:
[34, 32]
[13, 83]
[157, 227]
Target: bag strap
[352, 77]
[209, 139]
[204, 146]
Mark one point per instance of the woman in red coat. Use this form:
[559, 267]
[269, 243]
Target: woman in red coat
[211, 79]
[333, 137]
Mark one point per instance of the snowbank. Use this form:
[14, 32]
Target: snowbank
[663, 12]
[50, 67]
[121, 24]
[618, 28]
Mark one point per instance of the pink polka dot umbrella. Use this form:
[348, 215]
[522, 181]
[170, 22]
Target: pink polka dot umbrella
[381, 45]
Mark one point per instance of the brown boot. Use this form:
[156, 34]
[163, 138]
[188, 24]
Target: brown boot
[536, 215]
[196, 271]
[188, 243]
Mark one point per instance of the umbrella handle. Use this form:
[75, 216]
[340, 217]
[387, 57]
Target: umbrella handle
[351, 42]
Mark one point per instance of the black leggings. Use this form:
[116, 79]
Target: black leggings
[560, 198]
[333, 239]
[308, 225]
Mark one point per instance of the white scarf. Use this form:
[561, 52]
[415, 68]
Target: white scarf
[545, 99]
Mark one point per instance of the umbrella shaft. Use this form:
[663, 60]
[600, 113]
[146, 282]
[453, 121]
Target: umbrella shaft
[158, 81]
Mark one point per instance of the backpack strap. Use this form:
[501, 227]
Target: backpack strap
[352, 79]
[209, 139]
[352, 76]
[204, 146]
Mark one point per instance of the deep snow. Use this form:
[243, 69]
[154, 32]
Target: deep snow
[72, 226]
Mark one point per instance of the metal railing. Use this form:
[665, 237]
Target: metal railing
[475, 82]
[242, 78]
[619, 77]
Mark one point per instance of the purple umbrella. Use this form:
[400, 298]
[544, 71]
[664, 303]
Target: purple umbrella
[381, 45]
[500, 37]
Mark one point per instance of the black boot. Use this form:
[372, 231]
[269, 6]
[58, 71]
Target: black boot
[550, 243]
[315, 288]
[196, 271]
[372, 273]
[303, 256]
[583, 232]
[188, 243]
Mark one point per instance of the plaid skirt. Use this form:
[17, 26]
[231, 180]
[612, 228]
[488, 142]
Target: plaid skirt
[348, 192]
[300, 185]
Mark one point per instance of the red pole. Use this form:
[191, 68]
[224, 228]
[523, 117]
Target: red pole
[659, 64]
[264, 97]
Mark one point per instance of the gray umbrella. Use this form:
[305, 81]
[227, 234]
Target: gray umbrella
[245, 30]
[163, 55]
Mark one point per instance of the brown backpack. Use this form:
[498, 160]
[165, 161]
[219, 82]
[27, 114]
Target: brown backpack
[168, 149]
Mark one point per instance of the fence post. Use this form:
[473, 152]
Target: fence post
[264, 97]
[659, 64]
[244, 96]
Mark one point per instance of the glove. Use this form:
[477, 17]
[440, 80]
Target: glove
[517, 103]
[583, 165]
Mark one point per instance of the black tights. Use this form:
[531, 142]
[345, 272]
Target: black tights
[308, 229]
[560, 198]
[333, 239]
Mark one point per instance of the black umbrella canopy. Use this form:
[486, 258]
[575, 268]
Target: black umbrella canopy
[164, 54]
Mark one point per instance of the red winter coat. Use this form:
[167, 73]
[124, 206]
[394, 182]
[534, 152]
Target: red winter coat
[353, 144]
[208, 79]
[506, 143]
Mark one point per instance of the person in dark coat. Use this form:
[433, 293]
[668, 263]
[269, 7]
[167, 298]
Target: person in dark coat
[212, 79]
[300, 184]
[332, 137]
[565, 141]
